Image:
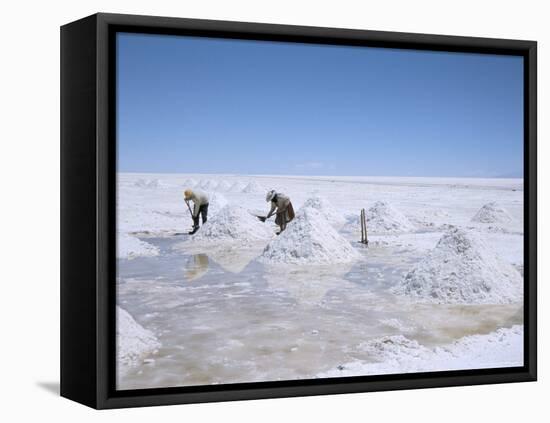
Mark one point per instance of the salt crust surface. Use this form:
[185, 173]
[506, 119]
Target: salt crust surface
[399, 354]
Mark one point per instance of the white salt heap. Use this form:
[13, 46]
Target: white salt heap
[462, 269]
[216, 202]
[253, 188]
[382, 217]
[398, 354]
[236, 187]
[208, 185]
[326, 209]
[147, 183]
[133, 342]
[234, 223]
[223, 186]
[492, 213]
[202, 184]
[189, 183]
[309, 239]
[129, 247]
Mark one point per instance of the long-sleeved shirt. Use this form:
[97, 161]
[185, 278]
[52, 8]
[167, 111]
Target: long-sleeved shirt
[280, 204]
[199, 198]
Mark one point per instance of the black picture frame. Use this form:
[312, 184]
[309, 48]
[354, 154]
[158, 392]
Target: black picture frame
[88, 263]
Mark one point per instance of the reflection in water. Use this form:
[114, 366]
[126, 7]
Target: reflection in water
[232, 258]
[235, 260]
[196, 267]
[308, 286]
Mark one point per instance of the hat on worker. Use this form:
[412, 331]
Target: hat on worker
[187, 194]
[270, 194]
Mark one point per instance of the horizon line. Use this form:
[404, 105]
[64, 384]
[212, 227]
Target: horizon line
[274, 175]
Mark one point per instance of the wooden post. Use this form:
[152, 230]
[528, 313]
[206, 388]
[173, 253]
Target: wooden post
[365, 226]
[362, 228]
[364, 239]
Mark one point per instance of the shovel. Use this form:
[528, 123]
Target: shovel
[260, 218]
[189, 208]
[190, 212]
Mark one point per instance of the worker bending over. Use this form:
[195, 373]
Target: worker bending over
[200, 207]
[282, 206]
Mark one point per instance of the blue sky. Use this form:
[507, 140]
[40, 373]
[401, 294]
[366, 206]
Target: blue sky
[201, 105]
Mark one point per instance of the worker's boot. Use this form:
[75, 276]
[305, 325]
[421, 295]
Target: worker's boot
[195, 229]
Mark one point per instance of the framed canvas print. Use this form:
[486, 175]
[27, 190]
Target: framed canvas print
[254, 211]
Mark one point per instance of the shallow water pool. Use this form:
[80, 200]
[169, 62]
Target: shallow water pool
[219, 323]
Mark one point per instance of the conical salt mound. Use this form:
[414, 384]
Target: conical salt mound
[382, 217]
[309, 239]
[210, 185]
[216, 202]
[147, 183]
[236, 187]
[462, 269]
[233, 223]
[253, 188]
[326, 209]
[189, 183]
[133, 341]
[204, 184]
[223, 186]
[492, 213]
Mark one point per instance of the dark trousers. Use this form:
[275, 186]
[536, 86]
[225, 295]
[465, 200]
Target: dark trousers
[203, 213]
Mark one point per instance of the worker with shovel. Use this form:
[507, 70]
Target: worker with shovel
[282, 207]
[200, 207]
